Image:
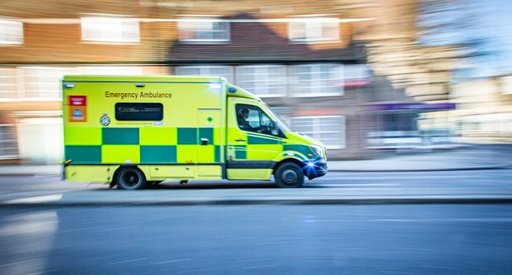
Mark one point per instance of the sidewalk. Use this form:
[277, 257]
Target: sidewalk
[474, 157]
[469, 158]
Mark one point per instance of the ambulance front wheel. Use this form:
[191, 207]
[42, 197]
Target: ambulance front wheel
[130, 178]
[289, 175]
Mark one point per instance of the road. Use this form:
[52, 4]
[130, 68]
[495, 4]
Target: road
[380, 237]
[447, 186]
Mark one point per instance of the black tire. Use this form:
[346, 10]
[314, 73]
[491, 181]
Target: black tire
[289, 175]
[130, 178]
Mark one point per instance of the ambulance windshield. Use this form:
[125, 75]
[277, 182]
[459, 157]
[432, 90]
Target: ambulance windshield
[279, 123]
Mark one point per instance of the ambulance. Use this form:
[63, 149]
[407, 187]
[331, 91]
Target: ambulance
[135, 131]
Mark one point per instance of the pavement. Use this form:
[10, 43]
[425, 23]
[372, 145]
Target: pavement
[247, 196]
[473, 157]
[469, 157]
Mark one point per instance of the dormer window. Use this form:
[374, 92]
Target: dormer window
[313, 30]
[204, 31]
[110, 30]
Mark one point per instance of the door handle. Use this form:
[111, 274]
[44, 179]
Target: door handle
[240, 140]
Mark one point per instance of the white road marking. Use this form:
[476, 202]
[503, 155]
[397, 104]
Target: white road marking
[173, 261]
[259, 267]
[37, 199]
[128, 261]
[358, 185]
[485, 220]
[448, 220]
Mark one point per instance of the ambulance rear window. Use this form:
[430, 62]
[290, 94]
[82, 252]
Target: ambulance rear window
[139, 111]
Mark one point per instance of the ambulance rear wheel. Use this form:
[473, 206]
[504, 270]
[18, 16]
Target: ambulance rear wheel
[289, 175]
[130, 178]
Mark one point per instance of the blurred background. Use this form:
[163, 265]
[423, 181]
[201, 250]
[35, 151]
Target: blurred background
[363, 76]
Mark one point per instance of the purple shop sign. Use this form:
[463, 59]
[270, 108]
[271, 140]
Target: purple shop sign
[415, 106]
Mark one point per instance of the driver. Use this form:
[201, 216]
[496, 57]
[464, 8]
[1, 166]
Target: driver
[243, 115]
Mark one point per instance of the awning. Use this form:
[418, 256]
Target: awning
[415, 106]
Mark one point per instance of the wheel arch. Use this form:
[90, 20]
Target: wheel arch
[287, 160]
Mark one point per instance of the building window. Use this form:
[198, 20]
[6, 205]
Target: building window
[110, 30]
[11, 32]
[203, 31]
[44, 82]
[222, 71]
[8, 83]
[8, 148]
[357, 72]
[140, 111]
[263, 80]
[328, 129]
[356, 75]
[313, 30]
[316, 80]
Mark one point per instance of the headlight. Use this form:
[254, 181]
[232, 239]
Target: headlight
[319, 151]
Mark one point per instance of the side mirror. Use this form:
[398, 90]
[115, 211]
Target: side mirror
[204, 141]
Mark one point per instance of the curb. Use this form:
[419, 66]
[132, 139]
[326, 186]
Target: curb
[22, 174]
[239, 202]
[493, 167]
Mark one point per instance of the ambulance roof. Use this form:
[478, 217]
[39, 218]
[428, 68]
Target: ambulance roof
[132, 78]
[237, 92]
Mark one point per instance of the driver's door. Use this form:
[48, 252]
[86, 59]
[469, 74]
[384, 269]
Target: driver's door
[251, 150]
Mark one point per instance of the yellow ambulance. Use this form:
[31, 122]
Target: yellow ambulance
[134, 131]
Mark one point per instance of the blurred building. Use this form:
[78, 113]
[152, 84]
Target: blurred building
[305, 59]
[484, 112]
[308, 69]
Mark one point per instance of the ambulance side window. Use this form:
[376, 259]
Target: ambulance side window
[253, 119]
[139, 111]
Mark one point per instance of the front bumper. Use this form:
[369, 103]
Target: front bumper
[315, 168]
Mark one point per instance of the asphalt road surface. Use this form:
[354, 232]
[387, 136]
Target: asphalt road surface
[473, 237]
[259, 239]
[477, 182]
